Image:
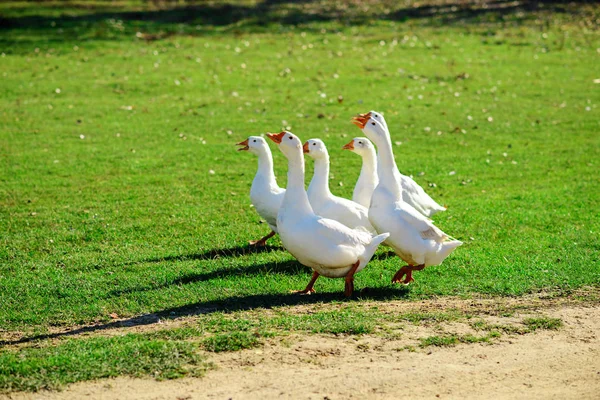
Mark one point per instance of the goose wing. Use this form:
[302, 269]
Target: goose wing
[422, 224]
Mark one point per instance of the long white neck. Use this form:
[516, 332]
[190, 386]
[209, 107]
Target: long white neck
[319, 184]
[389, 176]
[265, 168]
[295, 194]
[368, 171]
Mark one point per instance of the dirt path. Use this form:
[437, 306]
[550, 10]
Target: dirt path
[546, 364]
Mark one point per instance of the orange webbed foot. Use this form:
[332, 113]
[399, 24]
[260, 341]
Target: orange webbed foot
[406, 270]
[257, 243]
[309, 288]
[304, 292]
[262, 241]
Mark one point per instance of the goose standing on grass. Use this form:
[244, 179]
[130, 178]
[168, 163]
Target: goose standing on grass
[367, 180]
[323, 202]
[414, 237]
[328, 247]
[412, 192]
[265, 194]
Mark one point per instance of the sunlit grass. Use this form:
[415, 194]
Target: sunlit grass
[122, 193]
[109, 206]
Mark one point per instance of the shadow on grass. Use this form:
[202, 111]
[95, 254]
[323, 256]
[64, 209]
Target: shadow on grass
[201, 17]
[212, 254]
[291, 267]
[231, 304]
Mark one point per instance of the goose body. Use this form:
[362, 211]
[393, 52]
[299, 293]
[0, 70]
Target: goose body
[323, 202]
[327, 246]
[413, 237]
[266, 196]
[412, 192]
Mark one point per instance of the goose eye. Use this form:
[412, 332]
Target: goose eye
[372, 123]
[359, 142]
[254, 140]
[290, 138]
[314, 144]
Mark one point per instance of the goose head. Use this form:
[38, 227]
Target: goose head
[289, 144]
[360, 145]
[379, 118]
[371, 127]
[316, 149]
[254, 144]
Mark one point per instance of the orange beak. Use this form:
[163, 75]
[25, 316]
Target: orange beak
[361, 120]
[244, 143]
[349, 146]
[305, 148]
[276, 137]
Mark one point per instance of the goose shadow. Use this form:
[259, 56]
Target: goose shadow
[290, 267]
[228, 305]
[211, 254]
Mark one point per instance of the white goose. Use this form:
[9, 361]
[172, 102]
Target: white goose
[412, 193]
[323, 202]
[328, 247]
[265, 194]
[367, 180]
[413, 236]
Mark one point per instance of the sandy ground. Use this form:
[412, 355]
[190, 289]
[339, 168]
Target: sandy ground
[547, 364]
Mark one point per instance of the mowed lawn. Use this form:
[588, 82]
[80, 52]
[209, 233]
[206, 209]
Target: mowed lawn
[122, 194]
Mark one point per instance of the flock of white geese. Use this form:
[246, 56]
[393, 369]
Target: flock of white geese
[337, 237]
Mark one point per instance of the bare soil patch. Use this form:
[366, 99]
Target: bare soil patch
[391, 364]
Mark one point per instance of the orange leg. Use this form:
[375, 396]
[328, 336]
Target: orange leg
[309, 288]
[406, 270]
[263, 241]
[349, 287]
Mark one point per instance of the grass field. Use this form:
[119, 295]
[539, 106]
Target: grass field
[122, 194]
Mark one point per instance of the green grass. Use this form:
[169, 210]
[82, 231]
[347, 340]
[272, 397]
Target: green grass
[108, 139]
[453, 340]
[547, 323]
[232, 341]
[421, 317]
[32, 369]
